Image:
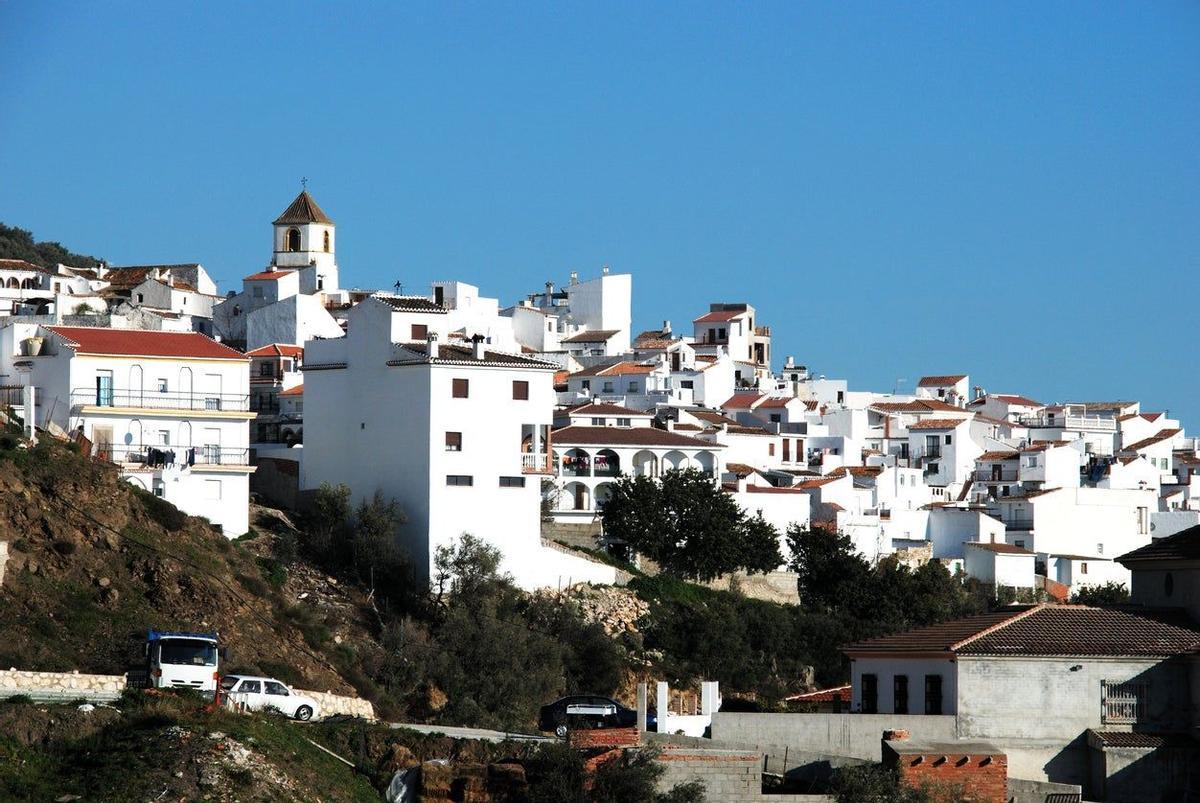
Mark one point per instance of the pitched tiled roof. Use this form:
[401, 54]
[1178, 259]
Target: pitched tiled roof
[623, 368]
[1080, 630]
[1013, 455]
[937, 638]
[1183, 545]
[1023, 401]
[591, 336]
[741, 469]
[653, 339]
[412, 304]
[127, 277]
[1153, 439]
[775, 402]
[1002, 549]
[277, 350]
[742, 401]
[140, 342]
[917, 406]
[720, 317]
[942, 381]
[1142, 741]
[622, 436]
[303, 210]
[937, 423]
[297, 390]
[267, 276]
[20, 264]
[712, 417]
[603, 408]
[735, 429]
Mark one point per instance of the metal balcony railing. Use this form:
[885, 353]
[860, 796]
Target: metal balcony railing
[154, 400]
[1018, 523]
[165, 456]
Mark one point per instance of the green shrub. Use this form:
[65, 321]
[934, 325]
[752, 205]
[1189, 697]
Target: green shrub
[161, 511]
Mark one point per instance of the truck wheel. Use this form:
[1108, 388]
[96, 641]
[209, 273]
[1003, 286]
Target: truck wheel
[304, 713]
[561, 731]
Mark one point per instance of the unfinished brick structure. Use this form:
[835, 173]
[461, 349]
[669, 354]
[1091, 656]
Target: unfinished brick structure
[973, 772]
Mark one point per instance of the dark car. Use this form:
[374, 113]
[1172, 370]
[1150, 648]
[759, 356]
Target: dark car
[589, 711]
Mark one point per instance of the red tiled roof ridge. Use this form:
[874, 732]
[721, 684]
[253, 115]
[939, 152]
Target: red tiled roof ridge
[267, 275]
[992, 629]
[144, 342]
[1162, 435]
[940, 380]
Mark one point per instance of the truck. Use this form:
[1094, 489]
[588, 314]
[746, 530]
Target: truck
[179, 660]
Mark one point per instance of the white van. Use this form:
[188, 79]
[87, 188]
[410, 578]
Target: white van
[259, 694]
[176, 660]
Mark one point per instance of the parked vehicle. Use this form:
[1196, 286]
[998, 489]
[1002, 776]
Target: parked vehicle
[260, 694]
[176, 660]
[589, 711]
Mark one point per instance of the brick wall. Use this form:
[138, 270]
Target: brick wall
[603, 737]
[971, 777]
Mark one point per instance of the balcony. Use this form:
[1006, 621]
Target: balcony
[158, 456]
[153, 400]
[1090, 422]
[536, 463]
[1018, 523]
[989, 475]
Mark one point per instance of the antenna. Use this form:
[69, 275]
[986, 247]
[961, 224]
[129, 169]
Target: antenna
[303, 183]
[399, 288]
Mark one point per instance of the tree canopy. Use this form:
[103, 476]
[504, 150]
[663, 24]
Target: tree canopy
[18, 243]
[688, 526]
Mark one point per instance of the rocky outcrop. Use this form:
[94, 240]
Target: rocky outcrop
[615, 609]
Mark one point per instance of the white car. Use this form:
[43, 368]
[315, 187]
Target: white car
[258, 694]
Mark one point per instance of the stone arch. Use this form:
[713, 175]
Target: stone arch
[645, 464]
[606, 464]
[577, 463]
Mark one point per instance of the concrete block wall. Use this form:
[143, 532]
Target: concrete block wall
[849, 735]
[730, 776]
[61, 686]
[339, 705]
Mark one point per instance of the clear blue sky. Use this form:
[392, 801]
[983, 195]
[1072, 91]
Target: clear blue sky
[1005, 189]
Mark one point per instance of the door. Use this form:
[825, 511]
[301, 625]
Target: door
[104, 391]
[212, 445]
[275, 695]
[249, 694]
[787, 450]
[102, 437]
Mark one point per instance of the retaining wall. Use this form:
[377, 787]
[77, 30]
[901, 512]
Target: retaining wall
[333, 705]
[731, 776]
[61, 686]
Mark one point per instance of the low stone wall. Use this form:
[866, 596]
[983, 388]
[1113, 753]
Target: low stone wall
[777, 586]
[333, 705]
[61, 686]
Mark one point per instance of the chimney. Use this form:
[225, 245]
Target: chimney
[604, 270]
[432, 352]
[741, 484]
[666, 327]
[478, 344]
[549, 291]
[791, 362]
[574, 277]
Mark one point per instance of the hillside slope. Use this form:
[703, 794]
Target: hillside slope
[94, 563]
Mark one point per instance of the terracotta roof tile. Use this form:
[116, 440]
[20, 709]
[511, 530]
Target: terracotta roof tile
[936, 638]
[942, 381]
[917, 406]
[20, 264]
[1142, 741]
[297, 390]
[1162, 435]
[465, 355]
[743, 401]
[412, 304]
[623, 368]
[776, 402]
[266, 276]
[604, 408]
[712, 417]
[993, 456]
[720, 316]
[1020, 401]
[277, 350]
[937, 423]
[140, 342]
[1080, 630]
[822, 695]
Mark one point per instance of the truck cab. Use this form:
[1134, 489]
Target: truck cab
[178, 660]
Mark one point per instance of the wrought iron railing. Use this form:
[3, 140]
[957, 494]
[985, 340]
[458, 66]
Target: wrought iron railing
[155, 400]
[167, 456]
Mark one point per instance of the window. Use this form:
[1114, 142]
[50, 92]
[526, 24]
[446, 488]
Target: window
[164, 437]
[1083, 567]
[266, 369]
[933, 694]
[947, 440]
[771, 449]
[292, 240]
[460, 388]
[512, 482]
[632, 387]
[687, 384]
[776, 418]
[1099, 549]
[162, 386]
[841, 396]
[900, 694]
[1020, 544]
[587, 384]
[1143, 514]
[420, 331]
[460, 479]
[598, 422]
[1122, 703]
[721, 334]
[250, 687]
[870, 694]
[941, 392]
[277, 689]
[520, 390]
[257, 293]
[141, 298]
[608, 387]
[327, 242]
[453, 441]
[624, 422]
